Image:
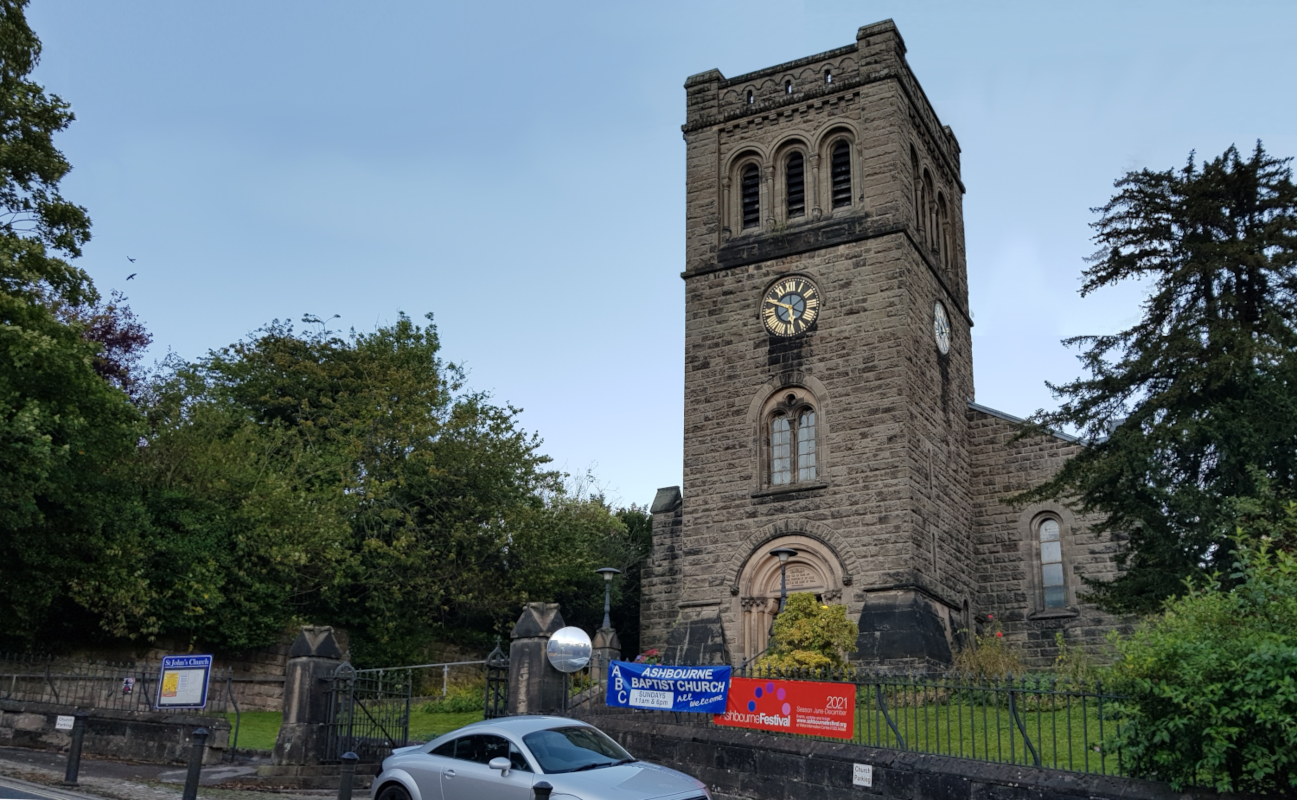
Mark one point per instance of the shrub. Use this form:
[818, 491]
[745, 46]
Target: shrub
[1212, 682]
[989, 656]
[808, 635]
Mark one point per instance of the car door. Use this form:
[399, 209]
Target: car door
[467, 776]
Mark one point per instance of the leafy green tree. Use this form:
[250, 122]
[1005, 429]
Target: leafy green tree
[1211, 683]
[1189, 408]
[352, 478]
[808, 635]
[68, 516]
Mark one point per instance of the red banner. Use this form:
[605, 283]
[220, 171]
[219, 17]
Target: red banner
[769, 704]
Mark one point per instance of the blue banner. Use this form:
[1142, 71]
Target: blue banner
[700, 689]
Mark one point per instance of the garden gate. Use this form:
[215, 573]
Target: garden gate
[369, 712]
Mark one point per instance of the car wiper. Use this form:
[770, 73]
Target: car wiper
[623, 761]
[594, 765]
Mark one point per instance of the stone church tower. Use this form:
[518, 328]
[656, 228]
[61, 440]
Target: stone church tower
[829, 381]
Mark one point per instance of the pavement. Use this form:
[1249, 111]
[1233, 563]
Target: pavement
[26, 773]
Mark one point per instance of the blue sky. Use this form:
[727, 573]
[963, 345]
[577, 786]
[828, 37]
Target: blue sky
[517, 170]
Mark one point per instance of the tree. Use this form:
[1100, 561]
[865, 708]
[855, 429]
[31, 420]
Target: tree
[67, 513]
[1189, 409]
[1209, 697]
[352, 478]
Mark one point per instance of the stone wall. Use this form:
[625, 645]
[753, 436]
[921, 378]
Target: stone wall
[1008, 566]
[751, 765]
[153, 737]
[257, 676]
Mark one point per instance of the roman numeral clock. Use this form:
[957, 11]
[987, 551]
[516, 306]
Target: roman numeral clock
[790, 306]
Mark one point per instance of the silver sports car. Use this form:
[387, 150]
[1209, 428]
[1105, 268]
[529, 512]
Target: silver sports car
[503, 759]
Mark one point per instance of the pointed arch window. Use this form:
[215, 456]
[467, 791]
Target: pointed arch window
[840, 170]
[750, 190]
[795, 185]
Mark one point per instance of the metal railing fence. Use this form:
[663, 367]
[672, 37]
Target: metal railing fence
[1035, 720]
[119, 686]
[89, 685]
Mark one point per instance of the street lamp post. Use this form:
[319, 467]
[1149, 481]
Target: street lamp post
[783, 554]
[607, 573]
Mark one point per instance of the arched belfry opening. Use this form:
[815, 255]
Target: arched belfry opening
[814, 569]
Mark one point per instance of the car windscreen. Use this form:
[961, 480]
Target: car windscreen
[574, 748]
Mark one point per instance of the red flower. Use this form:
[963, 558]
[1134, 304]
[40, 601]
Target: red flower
[990, 616]
[999, 634]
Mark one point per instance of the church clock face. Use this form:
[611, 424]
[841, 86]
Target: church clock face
[941, 328]
[790, 306]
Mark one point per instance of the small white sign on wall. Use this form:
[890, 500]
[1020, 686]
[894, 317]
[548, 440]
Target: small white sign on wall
[64, 723]
[862, 775]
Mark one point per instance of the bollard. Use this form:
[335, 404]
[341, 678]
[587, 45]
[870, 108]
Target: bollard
[195, 764]
[541, 790]
[349, 760]
[74, 753]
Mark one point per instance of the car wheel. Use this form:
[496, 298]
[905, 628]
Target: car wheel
[393, 791]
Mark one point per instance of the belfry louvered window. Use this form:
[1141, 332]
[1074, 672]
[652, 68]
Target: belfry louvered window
[795, 181]
[750, 187]
[840, 169]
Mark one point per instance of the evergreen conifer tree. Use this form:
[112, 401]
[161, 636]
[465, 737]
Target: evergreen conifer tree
[1194, 407]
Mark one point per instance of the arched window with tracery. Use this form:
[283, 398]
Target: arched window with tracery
[840, 173]
[795, 185]
[791, 439]
[750, 194]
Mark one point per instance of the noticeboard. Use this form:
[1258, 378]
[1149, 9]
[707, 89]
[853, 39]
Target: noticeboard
[182, 683]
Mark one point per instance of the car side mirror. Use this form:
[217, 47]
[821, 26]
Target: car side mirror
[501, 763]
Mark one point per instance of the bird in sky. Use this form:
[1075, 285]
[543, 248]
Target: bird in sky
[128, 258]
[132, 275]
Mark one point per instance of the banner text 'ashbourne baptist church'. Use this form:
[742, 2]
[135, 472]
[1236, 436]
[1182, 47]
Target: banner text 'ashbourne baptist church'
[699, 689]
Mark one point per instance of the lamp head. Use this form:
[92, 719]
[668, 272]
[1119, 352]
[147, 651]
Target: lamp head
[608, 572]
[783, 553]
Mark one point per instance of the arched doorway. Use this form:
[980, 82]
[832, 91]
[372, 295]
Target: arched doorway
[814, 569]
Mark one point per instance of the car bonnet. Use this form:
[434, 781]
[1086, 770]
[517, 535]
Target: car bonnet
[638, 780]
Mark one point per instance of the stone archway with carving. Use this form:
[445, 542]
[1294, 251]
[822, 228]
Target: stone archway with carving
[818, 567]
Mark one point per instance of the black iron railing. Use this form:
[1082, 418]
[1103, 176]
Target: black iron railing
[369, 711]
[118, 686]
[127, 686]
[1038, 721]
